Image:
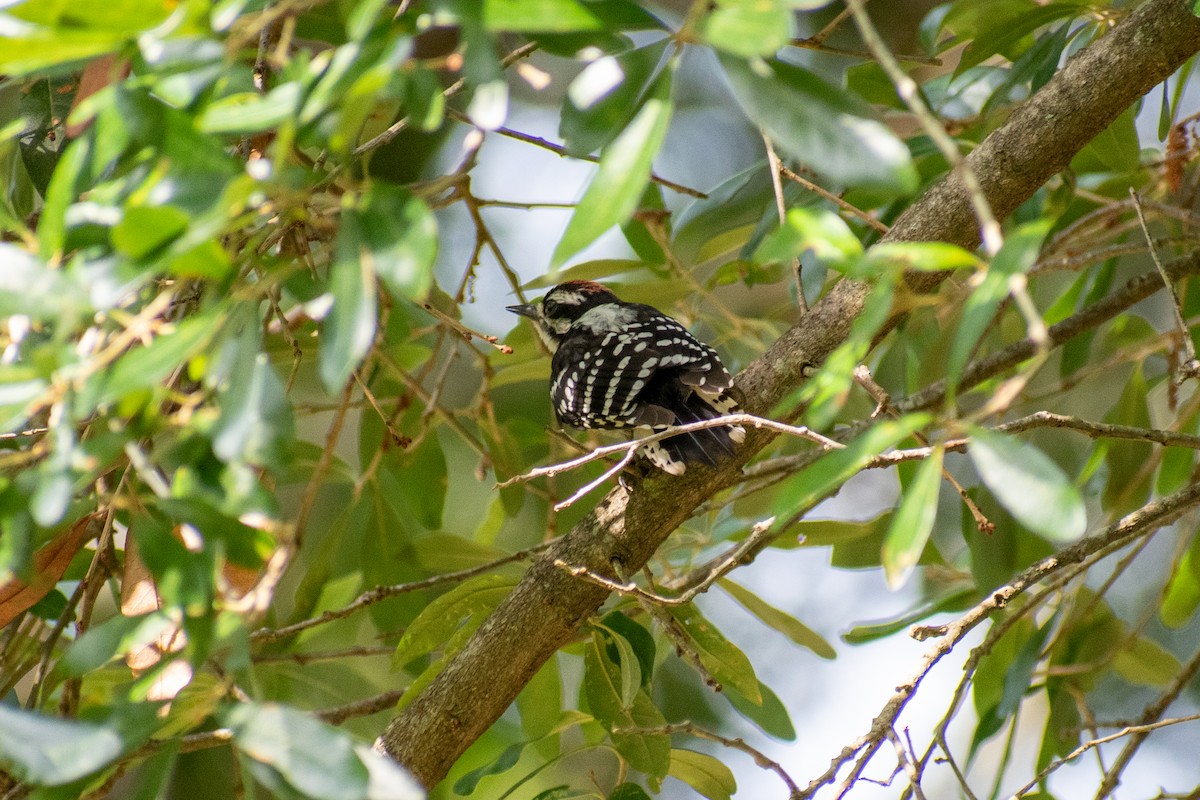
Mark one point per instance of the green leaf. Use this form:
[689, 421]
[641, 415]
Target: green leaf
[820, 125]
[349, 327]
[255, 425]
[638, 638]
[921, 256]
[604, 97]
[469, 602]
[1001, 32]
[815, 230]
[1017, 678]
[1145, 662]
[144, 367]
[1129, 482]
[627, 791]
[29, 287]
[102, 643]
[614, 191]
[771, 716]
[312, 757]
[507, 759]
[539, 16]
[399, 237]
[629, 667]
[708, 776]
[49, 751]
[913, 523]
[61, 47]
[647, 752]
[1116, 148]
[831, 470]
[1029, 485]
[722, 658]
[540, 700]
[749, 27]
[1017, 255]
[1021, 248]
[250, 112]
[1183, 592]
[951, 598]
[781, 621]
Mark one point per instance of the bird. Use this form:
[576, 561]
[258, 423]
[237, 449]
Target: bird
[618, 365]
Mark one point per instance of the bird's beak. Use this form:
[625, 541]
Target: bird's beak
[528, 310]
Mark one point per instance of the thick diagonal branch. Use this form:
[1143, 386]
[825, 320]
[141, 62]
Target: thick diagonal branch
[547, 607]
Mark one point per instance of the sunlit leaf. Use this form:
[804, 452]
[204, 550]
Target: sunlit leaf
[913, 522]
[624, 171]
[1029, 485]
[708, 776]
[312, 757]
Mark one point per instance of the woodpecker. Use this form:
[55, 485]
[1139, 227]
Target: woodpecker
[628, 365]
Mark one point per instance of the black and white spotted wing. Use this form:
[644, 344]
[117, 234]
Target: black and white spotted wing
[603, 375]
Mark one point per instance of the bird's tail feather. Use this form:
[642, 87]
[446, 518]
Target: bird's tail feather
[707, 446]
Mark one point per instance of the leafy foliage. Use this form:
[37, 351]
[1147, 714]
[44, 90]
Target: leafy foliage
[251, 442]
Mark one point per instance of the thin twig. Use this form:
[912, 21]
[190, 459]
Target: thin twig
[584, 490]
[781, 210]
[1127, 730]
[467, 333]
[666, 433]
[906, 87]
[360, 708]
[267, 635]
[849, 208]
[562, 151]
[399, 125]
[1190, 367]
[699, 582]
[1150, 516]
[809, 44]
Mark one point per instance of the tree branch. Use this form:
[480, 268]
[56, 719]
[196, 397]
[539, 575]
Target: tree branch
[546, 608]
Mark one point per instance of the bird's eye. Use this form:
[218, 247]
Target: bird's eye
[549, 307]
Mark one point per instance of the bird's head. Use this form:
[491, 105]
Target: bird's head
[558, 310]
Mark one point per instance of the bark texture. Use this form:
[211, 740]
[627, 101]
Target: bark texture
[547, 607]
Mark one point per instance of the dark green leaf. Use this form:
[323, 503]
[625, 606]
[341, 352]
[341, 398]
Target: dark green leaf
[1129, 482]
[628, 791]
[508, 758]
[722, 658]
[639, 639]
[647, 752]
[820, 125]
[1017, 678]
